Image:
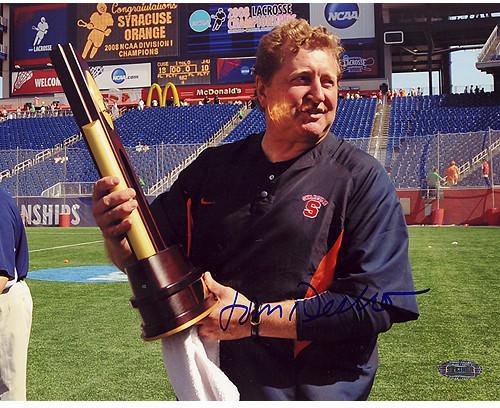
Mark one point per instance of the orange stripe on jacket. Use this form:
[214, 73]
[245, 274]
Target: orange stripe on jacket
[189, 224]
[321, 280]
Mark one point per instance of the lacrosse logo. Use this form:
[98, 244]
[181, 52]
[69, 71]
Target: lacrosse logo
[356, 64]
[100, 26]
[41, 29]
[21, 78]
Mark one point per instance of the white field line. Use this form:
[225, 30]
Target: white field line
[65, 246]
[35, 231]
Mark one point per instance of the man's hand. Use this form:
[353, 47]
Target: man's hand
[230, 319]
[111, 210]
[3, 282]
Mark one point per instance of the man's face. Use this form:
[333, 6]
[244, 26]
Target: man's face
[301, 100]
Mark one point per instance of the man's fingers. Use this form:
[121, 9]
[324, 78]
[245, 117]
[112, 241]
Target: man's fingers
[103, 186]
[203, 332]
[119, 212]
[111, 209]
[115, 223]
[112, 200]
[206, 333]
[213, 286]
[117, 231]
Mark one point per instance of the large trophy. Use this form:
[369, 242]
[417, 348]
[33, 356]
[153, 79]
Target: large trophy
[167, 290]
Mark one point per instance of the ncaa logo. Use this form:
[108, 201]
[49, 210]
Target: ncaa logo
[341, 15]
[118, 75]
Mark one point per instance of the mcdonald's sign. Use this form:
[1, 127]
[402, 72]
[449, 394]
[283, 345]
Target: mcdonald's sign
[162, 95]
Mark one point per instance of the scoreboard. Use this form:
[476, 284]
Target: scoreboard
[184, 72]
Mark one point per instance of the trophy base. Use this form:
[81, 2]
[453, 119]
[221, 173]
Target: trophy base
[184, 326]
[169, 293]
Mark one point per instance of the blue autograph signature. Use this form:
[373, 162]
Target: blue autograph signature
[321, 309]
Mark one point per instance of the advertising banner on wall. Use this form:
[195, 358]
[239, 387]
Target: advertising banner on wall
[235, 70]
[122, 76]
[232, 92]
[115, 31]
[185, 72]
[360, 64]
[42, 81]
[129, 96]
[347, 20]
[234, 29]
[35, 29]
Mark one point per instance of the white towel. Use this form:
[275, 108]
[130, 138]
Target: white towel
[192, 366]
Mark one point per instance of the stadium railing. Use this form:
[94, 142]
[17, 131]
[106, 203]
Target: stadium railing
[409, 160]
[74, 173]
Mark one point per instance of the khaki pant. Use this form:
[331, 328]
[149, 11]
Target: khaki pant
[15, 325]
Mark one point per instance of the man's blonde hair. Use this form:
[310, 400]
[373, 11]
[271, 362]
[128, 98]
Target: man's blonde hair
[292, 36]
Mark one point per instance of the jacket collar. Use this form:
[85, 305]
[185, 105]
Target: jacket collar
[327, 146]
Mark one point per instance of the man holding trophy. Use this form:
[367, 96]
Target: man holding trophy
[302, 235]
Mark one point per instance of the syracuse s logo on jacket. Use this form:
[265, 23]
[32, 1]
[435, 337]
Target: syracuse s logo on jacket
[313, 204]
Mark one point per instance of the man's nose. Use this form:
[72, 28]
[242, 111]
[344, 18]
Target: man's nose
[316, 92]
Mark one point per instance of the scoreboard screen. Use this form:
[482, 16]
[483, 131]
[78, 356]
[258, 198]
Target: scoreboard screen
[186, 72]
[232, 29]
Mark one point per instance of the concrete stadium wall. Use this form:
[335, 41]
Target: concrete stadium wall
[473, 206]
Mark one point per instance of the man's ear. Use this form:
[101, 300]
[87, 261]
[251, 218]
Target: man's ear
[261, 90]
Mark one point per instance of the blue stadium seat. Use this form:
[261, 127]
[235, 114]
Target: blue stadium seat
[354, 119]
[171, 133]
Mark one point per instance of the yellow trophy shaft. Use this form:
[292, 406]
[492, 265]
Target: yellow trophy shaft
[103, 154]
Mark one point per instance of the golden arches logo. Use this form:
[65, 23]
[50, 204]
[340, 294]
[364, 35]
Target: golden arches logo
[162, 95]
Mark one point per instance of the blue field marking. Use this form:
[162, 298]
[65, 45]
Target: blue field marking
[86, 274]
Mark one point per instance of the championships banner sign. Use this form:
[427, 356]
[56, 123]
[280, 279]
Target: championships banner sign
[115, 31]
[44, 212]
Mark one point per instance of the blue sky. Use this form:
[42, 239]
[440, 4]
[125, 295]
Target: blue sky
[463, 73]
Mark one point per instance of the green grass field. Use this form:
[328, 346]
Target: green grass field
[85, 342]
